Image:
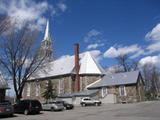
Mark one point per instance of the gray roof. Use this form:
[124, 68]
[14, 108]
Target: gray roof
[85, 93]
[65, 65]
[117, 79]
[3, 83]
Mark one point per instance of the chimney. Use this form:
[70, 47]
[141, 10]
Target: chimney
[77, 67]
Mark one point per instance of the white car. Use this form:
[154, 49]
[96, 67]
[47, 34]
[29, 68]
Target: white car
[89, 101]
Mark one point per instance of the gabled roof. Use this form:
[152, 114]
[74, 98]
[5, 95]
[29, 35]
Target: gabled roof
[117, 79]
[89, 65]
[58, 67]
[65, 65]
[3, 83]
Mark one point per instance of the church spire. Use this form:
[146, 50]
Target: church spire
[46, 44]
[47, 36]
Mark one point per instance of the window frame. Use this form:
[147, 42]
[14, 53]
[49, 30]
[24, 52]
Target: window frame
[37, 89]
[122, 88]
[28, 89]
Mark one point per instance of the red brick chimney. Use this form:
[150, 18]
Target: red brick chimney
[77, 67]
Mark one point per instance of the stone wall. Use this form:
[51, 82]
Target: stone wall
[131, 94]
[140, 89]
[66, 84]
[62, 85]
[88, 79]
[134, 93]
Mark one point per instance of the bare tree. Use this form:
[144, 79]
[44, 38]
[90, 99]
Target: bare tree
[19, 56]
[4, 23]
[126, 63]
[151, 76]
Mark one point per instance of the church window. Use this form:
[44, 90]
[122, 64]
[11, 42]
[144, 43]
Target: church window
[61, 86]
[28, 89]
[37, 89]
[122, 91]
[104, 91]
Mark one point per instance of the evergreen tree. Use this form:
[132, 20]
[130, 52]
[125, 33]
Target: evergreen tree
[49, 92]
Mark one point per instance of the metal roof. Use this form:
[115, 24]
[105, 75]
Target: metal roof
[65, 65]
[89, 65]
[117, 79]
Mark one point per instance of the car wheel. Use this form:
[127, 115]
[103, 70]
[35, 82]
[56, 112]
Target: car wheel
[26, 112]
[83, 104]
[11, 115]
[38, 112]
[52, 108]
[96, 104]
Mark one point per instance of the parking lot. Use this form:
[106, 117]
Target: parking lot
[139, 111]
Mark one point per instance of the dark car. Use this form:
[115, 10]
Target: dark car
[28, 107]
[66, 105]
[6, 108]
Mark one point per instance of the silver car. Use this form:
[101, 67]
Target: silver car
[53, 106]
[6, 108]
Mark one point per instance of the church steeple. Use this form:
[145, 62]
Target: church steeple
[47, 36]
[46, 44]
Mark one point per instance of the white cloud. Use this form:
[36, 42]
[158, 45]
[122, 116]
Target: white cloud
[62, 6]
[91, 35]
[94, 46]
[128, 49]
[154, 34]
[22, 11]
[154, 47]
[113, 52]
[95, 53]
[137, 54]
[32, 12]
[150, 60]
[64, 56]
[154, 37]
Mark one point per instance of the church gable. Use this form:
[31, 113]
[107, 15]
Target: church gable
[88, 65]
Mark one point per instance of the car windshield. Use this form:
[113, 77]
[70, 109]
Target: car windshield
[61, 102]
[5, 103]
[87, 99]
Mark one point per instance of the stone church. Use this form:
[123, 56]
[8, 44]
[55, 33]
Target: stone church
[80, 75]
[68, 74]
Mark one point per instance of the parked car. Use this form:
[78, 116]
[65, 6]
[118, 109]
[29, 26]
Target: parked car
[6, 108]
[28, 107]
[66, 105]
[89, 101]
[53, 106]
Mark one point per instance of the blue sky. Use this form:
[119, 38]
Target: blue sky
[120, 23]
[107, 27]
